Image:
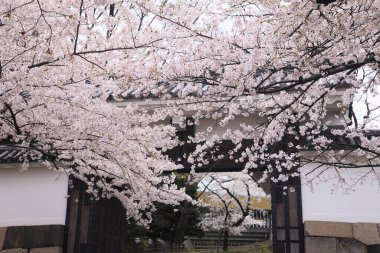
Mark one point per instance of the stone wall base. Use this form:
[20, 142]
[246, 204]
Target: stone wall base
[32, 239]
[34, 250]
[341, 237]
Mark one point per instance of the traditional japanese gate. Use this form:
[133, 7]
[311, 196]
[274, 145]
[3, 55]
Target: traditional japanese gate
[287, 221]
[93, 226]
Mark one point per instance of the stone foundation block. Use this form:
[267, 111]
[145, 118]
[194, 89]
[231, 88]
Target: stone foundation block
[14, 238]
[43, 236]
[320, 244]
[47, 250]
[348, 245]
[366, 233]
[328, 229]
[28, 237]
[3, 231]
[19, 250]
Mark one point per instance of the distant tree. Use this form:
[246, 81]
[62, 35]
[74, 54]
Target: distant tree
[229, 199]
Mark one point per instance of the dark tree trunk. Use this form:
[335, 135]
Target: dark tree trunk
[325, 2]
[182, 224]
[225, 239]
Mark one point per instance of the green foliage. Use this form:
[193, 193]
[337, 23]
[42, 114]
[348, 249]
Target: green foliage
[134, 230]
[173, 223]
[263, 248]
[170, 223]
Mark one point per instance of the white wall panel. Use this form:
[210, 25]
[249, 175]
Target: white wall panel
[33, 197]
[343, 197]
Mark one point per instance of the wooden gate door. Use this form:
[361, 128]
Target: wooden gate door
[288, 231]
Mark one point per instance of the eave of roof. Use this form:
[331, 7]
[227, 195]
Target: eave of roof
[9, 153]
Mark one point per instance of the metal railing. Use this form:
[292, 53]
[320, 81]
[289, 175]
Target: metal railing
[201, 247]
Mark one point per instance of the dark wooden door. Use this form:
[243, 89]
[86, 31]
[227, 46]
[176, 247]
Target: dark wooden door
[288, 231]
[93, 226]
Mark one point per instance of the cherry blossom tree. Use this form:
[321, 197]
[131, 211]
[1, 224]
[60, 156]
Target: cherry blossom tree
[54, 110]
[287, 64]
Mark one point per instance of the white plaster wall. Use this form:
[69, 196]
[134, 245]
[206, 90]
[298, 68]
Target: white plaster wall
[33, 197]
[232, 125]
[328, 198]
[331, 120]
